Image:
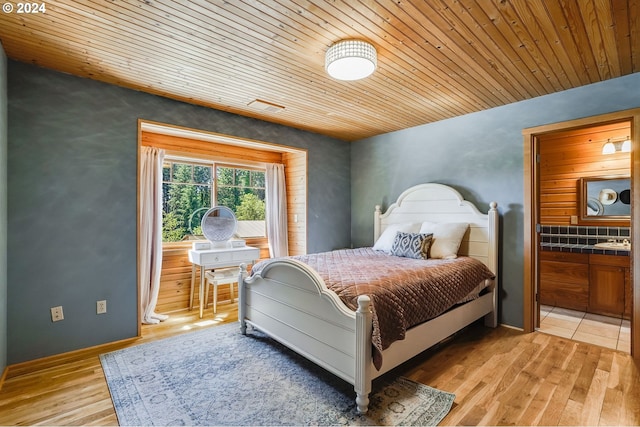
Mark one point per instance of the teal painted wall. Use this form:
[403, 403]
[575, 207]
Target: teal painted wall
[481, 155]
[71, 190]
[3, 210]
[72, 153]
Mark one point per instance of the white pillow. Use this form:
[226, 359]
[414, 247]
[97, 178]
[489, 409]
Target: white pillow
[385, 241]
[447, 237]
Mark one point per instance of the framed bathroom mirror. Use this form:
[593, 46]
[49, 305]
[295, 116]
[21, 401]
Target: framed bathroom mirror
[605, 199]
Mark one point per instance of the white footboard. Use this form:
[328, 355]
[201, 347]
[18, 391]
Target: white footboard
[291, 303]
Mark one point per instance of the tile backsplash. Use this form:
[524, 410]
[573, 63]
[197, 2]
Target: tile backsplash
[582, 235]
[581, 239]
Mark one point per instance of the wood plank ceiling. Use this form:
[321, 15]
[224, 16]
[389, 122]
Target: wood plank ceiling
[436, 58]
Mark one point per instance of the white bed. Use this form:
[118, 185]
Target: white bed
[290, 302]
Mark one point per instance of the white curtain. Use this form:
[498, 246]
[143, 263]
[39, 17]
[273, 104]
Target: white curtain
[150, 232]
[276, 215]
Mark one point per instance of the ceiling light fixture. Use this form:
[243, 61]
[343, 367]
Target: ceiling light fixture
[622, 146]
[351, 60]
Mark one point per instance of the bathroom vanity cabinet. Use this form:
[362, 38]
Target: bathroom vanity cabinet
[564, 280]
[609, 285]
[595, 283]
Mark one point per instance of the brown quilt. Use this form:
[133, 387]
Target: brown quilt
[404, 292]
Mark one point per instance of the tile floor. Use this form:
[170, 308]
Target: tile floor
[604, 331]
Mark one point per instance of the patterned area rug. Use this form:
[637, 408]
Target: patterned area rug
[217, 376]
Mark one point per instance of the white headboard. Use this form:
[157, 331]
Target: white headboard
[440, 203]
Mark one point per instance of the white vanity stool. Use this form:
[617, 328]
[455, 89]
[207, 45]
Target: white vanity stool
[222, 276]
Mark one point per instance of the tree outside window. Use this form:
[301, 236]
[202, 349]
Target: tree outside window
[187, 195]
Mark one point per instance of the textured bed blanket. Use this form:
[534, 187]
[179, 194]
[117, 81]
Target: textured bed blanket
[404, 292]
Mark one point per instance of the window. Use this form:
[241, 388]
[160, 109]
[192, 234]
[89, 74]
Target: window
[186, 196]
[190, 189]
[242, 190]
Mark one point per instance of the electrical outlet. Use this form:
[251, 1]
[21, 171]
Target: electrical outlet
[101, 306]
[57, 314]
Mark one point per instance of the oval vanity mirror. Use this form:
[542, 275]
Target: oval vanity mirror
[219, 225]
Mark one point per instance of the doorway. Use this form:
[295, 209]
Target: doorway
[571, 290]
[556, 208]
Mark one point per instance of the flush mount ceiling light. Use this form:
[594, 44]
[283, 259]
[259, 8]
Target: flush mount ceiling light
[351, 60]
[623, 146]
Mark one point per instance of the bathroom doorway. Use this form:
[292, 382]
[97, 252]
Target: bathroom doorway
[557, 231]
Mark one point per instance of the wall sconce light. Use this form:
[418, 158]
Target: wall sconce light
[623, 146]
[351, 60]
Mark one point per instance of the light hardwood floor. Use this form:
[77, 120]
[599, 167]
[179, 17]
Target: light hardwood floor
[500, 377]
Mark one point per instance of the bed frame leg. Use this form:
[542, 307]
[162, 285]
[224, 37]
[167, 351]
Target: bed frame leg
[362, 383]
[242, 299]
[491, 319]
[362, 403]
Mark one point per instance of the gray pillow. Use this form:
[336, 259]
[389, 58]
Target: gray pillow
[412, 245]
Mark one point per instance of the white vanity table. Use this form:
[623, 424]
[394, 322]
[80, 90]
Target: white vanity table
[208, 259]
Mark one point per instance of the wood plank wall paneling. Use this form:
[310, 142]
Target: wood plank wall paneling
[565, 157]
[175, 279]
[211, 150]
[296, 179]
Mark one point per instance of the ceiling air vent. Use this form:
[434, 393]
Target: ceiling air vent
[265, 106]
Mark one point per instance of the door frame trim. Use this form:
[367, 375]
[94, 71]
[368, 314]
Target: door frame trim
[531, 213]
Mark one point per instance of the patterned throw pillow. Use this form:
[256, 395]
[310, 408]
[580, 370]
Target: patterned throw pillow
[411, 245]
